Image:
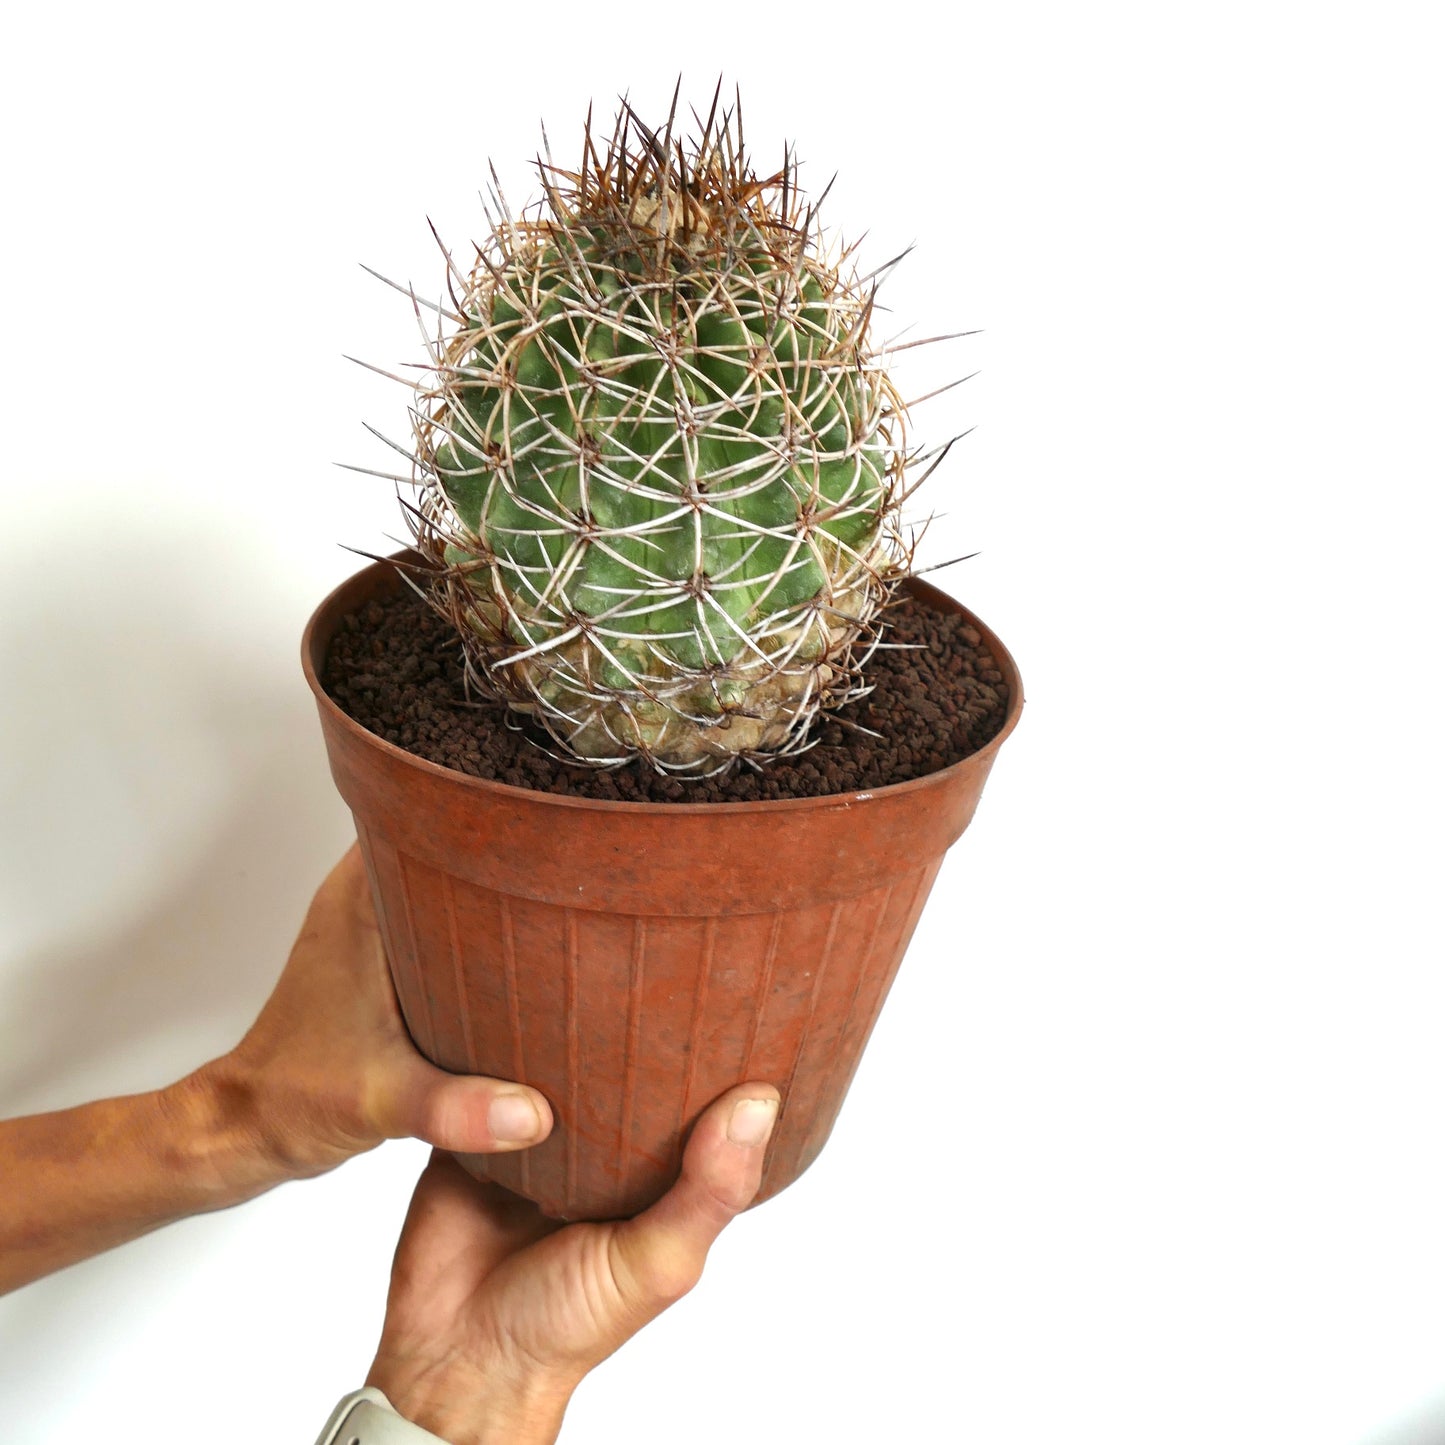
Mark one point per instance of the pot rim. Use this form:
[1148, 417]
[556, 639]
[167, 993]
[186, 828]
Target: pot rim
[924, 590]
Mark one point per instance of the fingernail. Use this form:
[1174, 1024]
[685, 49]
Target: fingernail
[514, 1118]
[752, 1121]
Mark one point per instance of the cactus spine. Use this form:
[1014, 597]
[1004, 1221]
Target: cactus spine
[659, 466]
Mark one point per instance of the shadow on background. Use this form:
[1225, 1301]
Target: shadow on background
[191, 973]
[1425, 1426]
[168, 814]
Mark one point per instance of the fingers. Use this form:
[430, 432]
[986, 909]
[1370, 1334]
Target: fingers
[410, 1096]
[466, 1197]
[468, 1114]
[442, 1206]
[340, 932]
[460, 1228]
[345, 891]
[658, 1256]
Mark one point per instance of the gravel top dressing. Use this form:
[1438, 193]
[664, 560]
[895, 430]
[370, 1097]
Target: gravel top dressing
[395, 667]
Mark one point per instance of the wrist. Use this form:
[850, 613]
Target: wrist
[467, 1405]
[218, 1134]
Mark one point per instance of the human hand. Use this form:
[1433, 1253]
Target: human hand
[495, 1312]
[328, 1069]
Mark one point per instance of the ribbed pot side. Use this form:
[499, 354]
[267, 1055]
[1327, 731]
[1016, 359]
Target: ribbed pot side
[634, 960]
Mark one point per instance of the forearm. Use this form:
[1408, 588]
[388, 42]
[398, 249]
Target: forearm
[83, 1180]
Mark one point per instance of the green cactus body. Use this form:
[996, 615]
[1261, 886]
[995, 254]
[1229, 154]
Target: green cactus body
[659, 468]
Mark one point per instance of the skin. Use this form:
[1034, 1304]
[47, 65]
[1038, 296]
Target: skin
[325, 1072]
[494, 1313]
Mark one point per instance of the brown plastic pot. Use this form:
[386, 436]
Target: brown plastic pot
[634, 960]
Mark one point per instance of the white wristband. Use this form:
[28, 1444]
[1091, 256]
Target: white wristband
[367, 1417]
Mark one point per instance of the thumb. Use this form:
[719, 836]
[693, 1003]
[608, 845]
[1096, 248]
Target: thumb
[465, 1113]
[658, 1256]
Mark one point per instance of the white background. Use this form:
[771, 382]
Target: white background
[1148, 1146]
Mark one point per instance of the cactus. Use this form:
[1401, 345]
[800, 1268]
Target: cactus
[659, 466]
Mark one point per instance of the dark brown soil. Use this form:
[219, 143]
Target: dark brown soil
[396, 668]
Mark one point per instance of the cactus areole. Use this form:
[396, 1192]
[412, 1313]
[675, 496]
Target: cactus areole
[659, 465]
